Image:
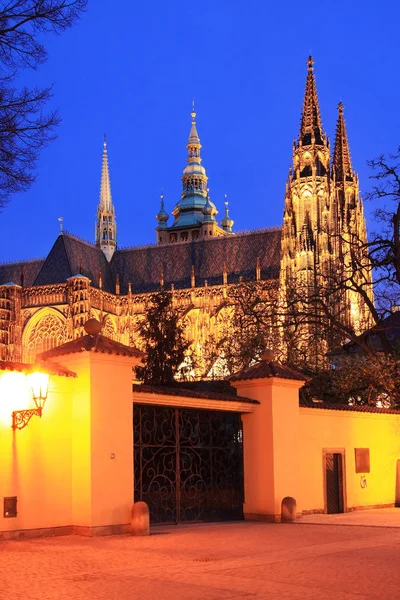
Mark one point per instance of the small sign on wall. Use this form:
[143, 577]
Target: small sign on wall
[362, 460]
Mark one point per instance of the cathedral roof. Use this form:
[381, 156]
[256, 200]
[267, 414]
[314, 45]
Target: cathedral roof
[69, 256]
[142, 267]
[21, 273]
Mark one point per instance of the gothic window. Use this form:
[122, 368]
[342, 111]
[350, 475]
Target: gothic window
[48, 333]
[306, 172]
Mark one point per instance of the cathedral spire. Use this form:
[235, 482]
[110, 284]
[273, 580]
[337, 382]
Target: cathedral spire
[341, 164]
[311, 124]
[105, 187]
[106, 226]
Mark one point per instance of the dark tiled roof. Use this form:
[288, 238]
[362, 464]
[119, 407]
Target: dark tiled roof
[348, 408]
[180, 391]
[390, 327]
[22, 273]
[142, 267]
[50, 368]
[70, 256]
[266, 369]
[92, 343]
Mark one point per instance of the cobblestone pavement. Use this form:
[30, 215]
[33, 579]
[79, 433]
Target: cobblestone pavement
[209, 562]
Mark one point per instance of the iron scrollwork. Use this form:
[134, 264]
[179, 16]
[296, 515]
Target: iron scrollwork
[21, 418]
[188, 463]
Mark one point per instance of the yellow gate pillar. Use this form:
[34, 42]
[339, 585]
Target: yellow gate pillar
[271, 438]
[101, 432]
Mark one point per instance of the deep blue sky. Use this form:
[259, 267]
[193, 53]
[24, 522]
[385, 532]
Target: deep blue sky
[130, 69]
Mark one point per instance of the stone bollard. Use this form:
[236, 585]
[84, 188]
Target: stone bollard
[140, 522]
[288, 510]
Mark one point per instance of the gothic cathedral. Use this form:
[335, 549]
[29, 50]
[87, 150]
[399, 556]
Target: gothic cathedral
[44, 303]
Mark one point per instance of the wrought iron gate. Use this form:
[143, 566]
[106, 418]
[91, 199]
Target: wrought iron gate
[188, 463]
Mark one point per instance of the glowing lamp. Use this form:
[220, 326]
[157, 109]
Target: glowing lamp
[39, 383]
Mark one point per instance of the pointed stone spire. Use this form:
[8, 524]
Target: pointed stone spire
[311, 125]
[224, 275]
[193, 278]
[341, 164]
[105, 187]
[106, 226]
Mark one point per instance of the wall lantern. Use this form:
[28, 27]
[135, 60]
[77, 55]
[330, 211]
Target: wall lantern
[39, 383]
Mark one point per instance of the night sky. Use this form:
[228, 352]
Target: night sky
[130, 69]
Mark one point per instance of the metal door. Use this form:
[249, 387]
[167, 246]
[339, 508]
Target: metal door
[334, 482]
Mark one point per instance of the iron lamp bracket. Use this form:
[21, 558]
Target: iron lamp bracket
[21, 418]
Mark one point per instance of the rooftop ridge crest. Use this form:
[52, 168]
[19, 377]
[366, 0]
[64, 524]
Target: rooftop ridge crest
[22, 261]
[208, 239]
[78, 238]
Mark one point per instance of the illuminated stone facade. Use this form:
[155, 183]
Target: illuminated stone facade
[46, 302]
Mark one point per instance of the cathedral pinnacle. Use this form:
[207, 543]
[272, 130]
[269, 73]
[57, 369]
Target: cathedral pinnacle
[106, 226]
[227, 222]
[311, 125]
[341, 164]
[162, 216]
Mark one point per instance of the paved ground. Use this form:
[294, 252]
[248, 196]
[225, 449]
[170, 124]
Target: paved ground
[384, 517]
[244, 561]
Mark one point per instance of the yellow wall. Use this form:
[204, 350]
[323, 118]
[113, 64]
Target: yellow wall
[36, 461]
[271, 441]
[102, 440]
[74, 466]
[334, 430]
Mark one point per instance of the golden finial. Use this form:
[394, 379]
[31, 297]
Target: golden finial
[310, 63]
[162, 195]
[193, 113]
[226, 200]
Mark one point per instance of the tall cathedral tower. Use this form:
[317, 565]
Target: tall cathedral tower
[106, 226]
[323, 210]
[308, 210]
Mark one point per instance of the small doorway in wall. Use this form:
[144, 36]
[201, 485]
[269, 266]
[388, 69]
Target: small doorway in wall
[397, 500]
[334, 484]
